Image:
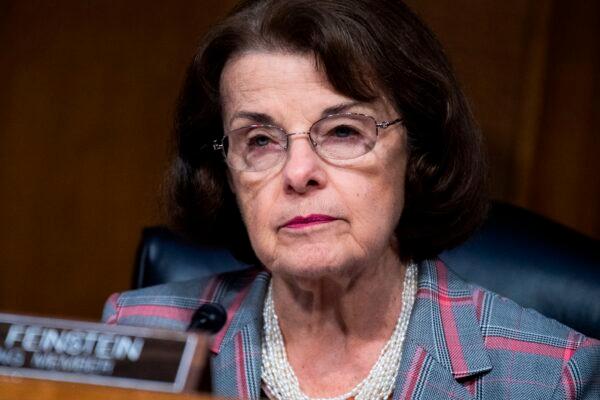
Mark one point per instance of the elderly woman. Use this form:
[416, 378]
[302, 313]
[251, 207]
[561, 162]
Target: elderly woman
[328, 144]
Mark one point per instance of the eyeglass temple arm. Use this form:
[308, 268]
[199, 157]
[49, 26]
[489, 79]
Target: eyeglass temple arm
[216, 145]
[385, 124]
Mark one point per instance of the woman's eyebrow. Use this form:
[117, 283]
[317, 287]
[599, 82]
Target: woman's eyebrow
[340, 108]
[255, 117]
[262, 118]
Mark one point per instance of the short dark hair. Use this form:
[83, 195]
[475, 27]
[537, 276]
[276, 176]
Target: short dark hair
[366, 48]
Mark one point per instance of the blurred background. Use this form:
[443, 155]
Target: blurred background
[87, 92]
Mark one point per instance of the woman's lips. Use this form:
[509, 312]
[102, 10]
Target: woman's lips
[312, 219]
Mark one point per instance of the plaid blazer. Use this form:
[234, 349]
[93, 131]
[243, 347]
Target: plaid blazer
[463, 341]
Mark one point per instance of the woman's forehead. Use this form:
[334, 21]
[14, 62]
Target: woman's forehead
[280, 83]
[256, 75]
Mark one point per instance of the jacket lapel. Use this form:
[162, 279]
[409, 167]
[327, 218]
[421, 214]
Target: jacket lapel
[443, 351]
[236, 363]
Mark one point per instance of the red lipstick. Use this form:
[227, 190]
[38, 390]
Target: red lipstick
[312, 219]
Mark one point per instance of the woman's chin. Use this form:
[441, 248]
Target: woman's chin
[313, 263]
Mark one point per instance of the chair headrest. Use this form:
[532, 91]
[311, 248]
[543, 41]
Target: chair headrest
[517, 254]
[536, 262]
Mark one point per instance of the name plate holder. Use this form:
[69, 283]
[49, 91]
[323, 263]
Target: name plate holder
[99, 354]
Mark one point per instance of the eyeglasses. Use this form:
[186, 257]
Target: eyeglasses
[334, 137]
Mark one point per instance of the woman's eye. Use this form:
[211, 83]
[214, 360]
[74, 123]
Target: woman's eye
[344, 131]
[260, 141]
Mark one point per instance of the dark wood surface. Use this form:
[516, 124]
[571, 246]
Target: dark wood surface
[33, 389]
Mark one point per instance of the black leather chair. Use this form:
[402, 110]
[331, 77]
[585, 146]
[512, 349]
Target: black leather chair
[518, 254]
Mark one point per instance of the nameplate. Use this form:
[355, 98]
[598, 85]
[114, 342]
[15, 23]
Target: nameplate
[87, 352]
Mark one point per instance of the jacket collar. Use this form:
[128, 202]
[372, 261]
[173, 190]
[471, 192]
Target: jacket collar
[445, 321]
[236, 366]
[243, 309]
[444, 337]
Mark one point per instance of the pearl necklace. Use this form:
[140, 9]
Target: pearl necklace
[281, 381]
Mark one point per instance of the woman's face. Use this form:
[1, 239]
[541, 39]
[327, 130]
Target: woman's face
[310, 217]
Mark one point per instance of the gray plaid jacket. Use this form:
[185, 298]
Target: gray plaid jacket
[463, 342]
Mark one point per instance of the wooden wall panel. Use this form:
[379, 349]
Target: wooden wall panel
[85, 116]
[566, 175]
[498, 50]
[530, 69]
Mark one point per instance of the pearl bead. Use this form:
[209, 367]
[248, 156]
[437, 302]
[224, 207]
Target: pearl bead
[281, 381]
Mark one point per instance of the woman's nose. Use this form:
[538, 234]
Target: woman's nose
[303, 168]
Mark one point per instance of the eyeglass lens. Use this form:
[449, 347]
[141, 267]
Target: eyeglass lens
[260, 147]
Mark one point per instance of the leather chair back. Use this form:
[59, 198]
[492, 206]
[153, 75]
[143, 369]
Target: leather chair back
[517, 254]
